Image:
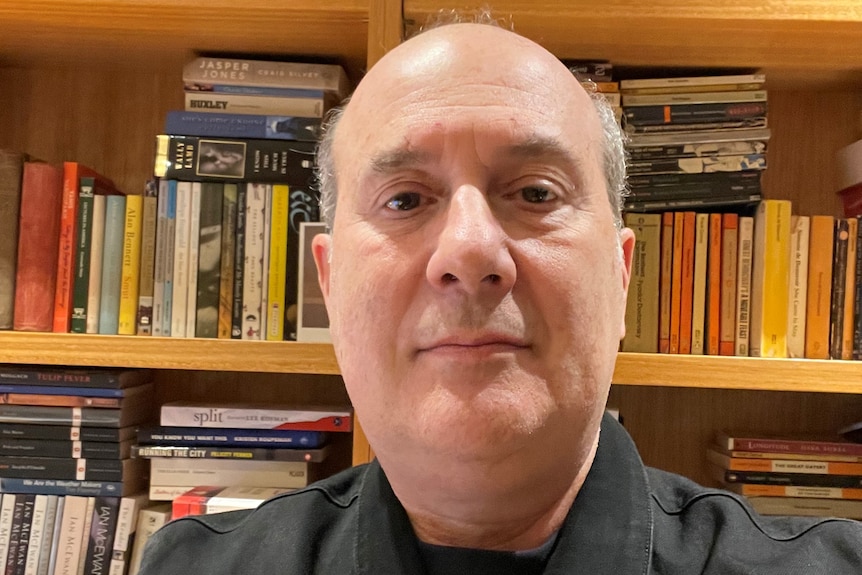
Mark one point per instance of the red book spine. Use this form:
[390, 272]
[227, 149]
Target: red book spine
[39, 230]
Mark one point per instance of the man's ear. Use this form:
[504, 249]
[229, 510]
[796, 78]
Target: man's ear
[321, 246]
[627, 247]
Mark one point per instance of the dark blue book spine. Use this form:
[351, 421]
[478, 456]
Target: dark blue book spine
[61, 487]
[215, 125]
[52, 390]
[234, 437]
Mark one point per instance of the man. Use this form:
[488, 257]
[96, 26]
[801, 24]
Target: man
[476, 278]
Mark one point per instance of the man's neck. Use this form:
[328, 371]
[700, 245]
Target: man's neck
[485, 512]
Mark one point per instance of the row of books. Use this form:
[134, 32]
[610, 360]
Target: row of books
[790, 476]
[769, 285]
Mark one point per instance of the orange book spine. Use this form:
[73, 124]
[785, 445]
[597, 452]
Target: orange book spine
[847, 349]
[820, 245]
[713, 291]
[687, 292]
[676, 281]
[665, 281]
[727, 312]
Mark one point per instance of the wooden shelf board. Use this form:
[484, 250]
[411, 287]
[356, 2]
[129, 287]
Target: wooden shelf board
[144, 33]
[798, 43]
[167, 353]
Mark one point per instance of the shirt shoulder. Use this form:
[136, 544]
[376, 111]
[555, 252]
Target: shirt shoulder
[300, 528]
[719, 532]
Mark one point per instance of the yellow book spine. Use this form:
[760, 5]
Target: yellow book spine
[130, 273]
[279, 223]
[771, 281]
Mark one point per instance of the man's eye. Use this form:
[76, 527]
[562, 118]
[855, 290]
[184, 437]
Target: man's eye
[404, 202]
[537, 195]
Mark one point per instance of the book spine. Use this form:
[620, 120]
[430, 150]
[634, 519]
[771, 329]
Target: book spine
[170, 243]
[839, 277]
[58, 400]
[797, 479]
[676, 281]
[150, 520]
[227, 262]
[72, 416]
[146, 285]
[253, 260]
[691, 81]
[209, 260]
[642, 307]
[700, 165]
[304, 208]
[11, 171]
[771, 278]
[46, 546]
[218, 159]
[26, 467]
[55, 540]
[112, 264]
[61, 487]
[743, 288]
[799, 233]
[7, 509]
[66, 249]
[665, 281]
[680, 151]
[277, 277]
[197, 87]
[181, 259]
[97, 250]
[130, 269]
[230, 453]
[239, 72]
[857, 308]
[127, 518]
[39, 231]
[820, 258]
[698, 312]
[194, 472]
[694, 113]
[264, 277]
[193, 260]
[183, 436]
[239, 262]
[60, 448]
[159, 258]
[14, 533]
[37, 531]
[849, 290]
[250, 126]
[100, 539]
[178, 415]
[687, 283]
[713, 291]
[694, 98]
[81, 278]
[255, 104]
[727, 306]
[88, 520]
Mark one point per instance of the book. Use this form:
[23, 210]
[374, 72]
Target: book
[49, 555]
[665, 281]
[7, 508]
[66, 487]
[130, 398]
[312, 321]
[701, 267]
[124, 535]
[72, 173]
[818, 302]
[254, 416]
[252, 276]
[847, 338]
[807, 507]
[713, 286]
[202, 500]
[304, 209]
[642, 309]
[743, 286]
[83, 253]
[694, 113]
[784, 478]
[11, 172]
[776, 465]
[42, 537]
[130, 274]
[99, 541]
[239, 263]
[193, 501]
[192, 158]
[676, 281]
[723, 96]
[857, 303]
[19, 535]
[249, 72]
[687, 290]
[727, 305]
[72, 529]
[77, 377]
[227, 261]
[72, 416]
[160, 257]
[841, 238]
[231, 437]
[66, 433]
[150, 519]
[250, 126]
[39, 231]
[165, 471]
[742, 200]
[278, 272]
[180, 280]
[193, 260]
[747, 441]
[699, 165]
[228, 452]
[264, 278]
[656, 127]
[261, 105]
[698, 138]
[770, 279]
[209, 260]
[112, 264]
[146, 285]
[29, 388]
[170, 252]
[27, 467]
[66, 448]
[687, 82]
[799, 232]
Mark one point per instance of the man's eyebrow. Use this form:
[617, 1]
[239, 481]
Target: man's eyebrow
[536, 148]
[393, 160]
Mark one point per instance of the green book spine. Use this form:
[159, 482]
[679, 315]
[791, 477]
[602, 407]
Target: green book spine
[81, 282]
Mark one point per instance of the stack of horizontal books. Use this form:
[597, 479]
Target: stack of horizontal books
[695, 142]
[790, 476]
[208, 447]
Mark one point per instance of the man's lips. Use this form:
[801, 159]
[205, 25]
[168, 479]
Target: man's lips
[487, 343]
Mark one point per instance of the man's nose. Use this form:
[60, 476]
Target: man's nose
[472, 255]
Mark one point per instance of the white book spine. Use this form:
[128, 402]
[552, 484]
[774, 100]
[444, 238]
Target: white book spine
[85, 539]
[743, 285]
[182, 230]
[37, 532]
[68, 548]
[149, 521]
[191, 473]
[7, 508]
[47, 547]
[252, 287]
[194, 245]
[800, 227]
[97, 248]
[55, 538]
[698, 310]
[254, 104]
[264, 277]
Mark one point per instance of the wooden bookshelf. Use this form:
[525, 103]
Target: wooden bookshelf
[92, 80]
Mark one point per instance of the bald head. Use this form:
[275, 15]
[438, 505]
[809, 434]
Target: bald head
[458, 66]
